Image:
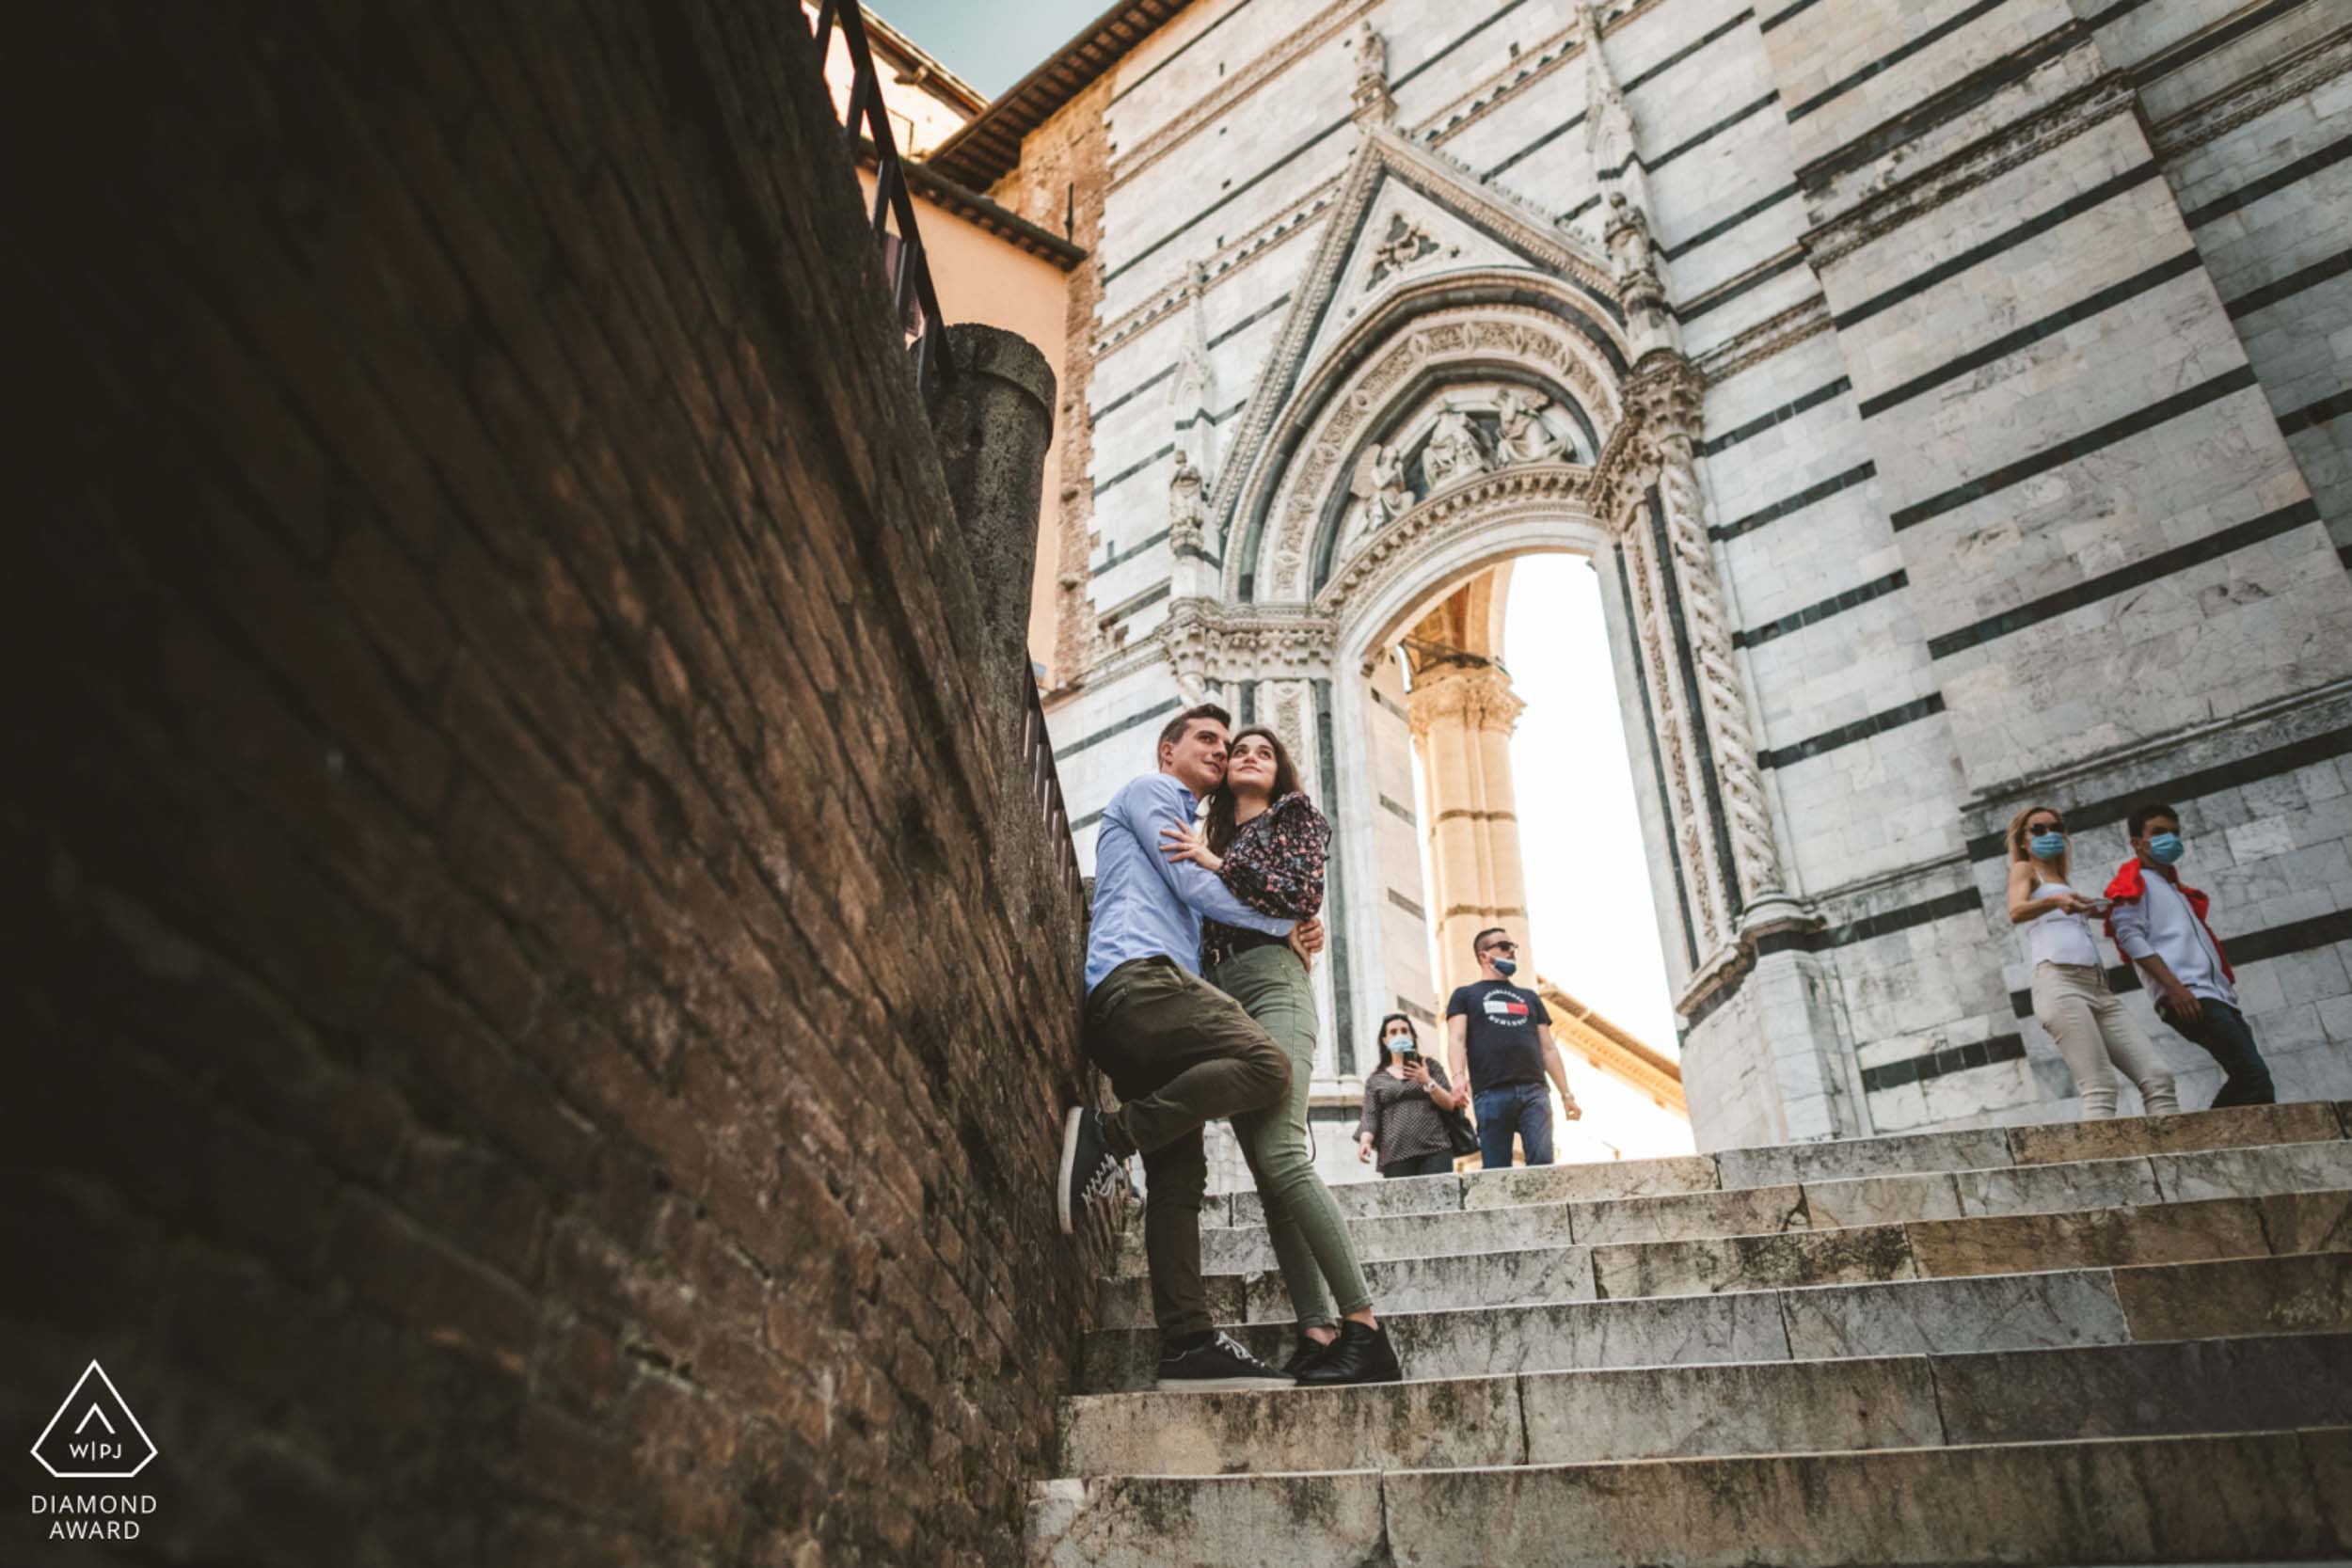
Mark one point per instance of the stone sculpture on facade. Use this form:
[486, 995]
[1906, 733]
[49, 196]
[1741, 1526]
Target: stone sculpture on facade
[1379, 485]
[1406, 243]
[1372, 75]
[1452, 451]
[1522, 435]
[1187, 507]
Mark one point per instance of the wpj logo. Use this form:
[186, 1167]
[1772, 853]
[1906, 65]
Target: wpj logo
[93, 1436]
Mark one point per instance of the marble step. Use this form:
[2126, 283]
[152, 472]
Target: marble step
[1982, 1149]
[2305, 1293]
[2132, 1390]
[2273, 1496]
[2251, 1171]
[2188, 1232]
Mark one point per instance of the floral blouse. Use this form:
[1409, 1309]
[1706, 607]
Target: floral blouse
[1275, 866]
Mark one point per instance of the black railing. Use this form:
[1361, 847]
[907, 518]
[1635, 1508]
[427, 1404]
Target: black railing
[906, 268]
[908, 272]
[1037, 755]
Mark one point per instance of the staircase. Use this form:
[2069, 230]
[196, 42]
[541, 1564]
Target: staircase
[2109, 1342]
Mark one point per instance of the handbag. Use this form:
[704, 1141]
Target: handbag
[1458, 1131]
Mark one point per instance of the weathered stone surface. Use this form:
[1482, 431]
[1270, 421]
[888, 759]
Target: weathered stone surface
[2229, 1128]
[1124, 1300]
[1762, 1407]
[1552, 1336]
[1843, 1159]
[2308, 1294]
[1247, 1249]
[2142, 1390]
[1752, 1262]
[2047, 1189]
[1313, 1521]
[1880, 1200]
[1423, 1284]
[1591, 1334]
[2096, 1238]
[1996, 1312]
[2298, 1167]
[1751, 1212]
[1425, 1424]
[2307, 1222]
[1408, 1195]
[2116, 1500]
[1590, 1183]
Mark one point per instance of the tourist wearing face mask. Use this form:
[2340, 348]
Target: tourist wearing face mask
[1499, 1039]
[1406, 1101]
[2086, 1021]
[2159, 922]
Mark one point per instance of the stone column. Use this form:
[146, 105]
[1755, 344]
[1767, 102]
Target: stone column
[992, 420]
[1462, 719]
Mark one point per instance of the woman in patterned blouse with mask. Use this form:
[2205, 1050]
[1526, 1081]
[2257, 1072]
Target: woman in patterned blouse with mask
[1406, 1101]
[1269, 845]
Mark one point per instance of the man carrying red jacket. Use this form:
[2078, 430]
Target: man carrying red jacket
[2159, 923]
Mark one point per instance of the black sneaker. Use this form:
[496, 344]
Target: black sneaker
[1306, 1356]
[1215, 1364]
[1090, 1171]
[1359, 1354]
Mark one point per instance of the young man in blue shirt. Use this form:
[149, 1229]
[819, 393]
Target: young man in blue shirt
[1180, 1053]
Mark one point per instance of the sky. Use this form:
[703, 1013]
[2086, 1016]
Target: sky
[1588, 891]
[990, 45]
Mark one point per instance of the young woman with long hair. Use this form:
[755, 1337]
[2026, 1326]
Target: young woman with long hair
[1403, 1126]
[2086, 1021]
[1270, 846]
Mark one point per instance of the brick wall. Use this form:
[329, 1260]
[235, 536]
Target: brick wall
[531, 1059]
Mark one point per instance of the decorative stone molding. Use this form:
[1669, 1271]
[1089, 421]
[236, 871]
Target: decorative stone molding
[2018, 143]
[1468, 699]
[1514, 334]
[1205, 646]
[1450, 187]
[2261, 90]
[1221, 264]
[1774, 335]
[1479, 502]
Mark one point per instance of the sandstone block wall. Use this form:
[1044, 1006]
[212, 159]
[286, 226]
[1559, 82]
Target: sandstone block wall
[526, 1054]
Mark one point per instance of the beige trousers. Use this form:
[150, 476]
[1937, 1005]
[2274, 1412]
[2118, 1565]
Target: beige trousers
[2096, 1036]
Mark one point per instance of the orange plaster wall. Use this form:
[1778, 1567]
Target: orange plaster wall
[983, 279]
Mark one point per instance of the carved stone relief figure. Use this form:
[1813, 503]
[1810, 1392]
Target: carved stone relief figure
[1452, 451]
[1522, 437]
[1379, 484]
[1187, 511]
[1406, 243]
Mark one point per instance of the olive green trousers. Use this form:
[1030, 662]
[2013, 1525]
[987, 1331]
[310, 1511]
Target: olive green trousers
[1309, 1236]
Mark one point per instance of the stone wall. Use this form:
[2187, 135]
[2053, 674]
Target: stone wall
[2023, 334]
[527, 1051]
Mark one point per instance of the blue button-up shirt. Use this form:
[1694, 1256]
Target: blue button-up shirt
[1147, 906]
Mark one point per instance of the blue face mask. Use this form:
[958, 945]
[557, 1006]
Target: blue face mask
[1506, 967]
[2048, 847]
[2164, 848]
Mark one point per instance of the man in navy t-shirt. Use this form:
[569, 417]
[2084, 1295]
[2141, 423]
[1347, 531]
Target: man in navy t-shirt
[1501, 1045]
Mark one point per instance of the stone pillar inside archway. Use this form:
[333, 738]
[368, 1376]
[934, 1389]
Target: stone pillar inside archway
[1462, 710]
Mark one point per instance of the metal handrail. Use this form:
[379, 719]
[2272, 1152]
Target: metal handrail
[908, 271]
[906, 266]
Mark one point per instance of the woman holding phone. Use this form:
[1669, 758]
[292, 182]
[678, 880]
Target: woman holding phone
[1403, 1126]
[2086, 1021]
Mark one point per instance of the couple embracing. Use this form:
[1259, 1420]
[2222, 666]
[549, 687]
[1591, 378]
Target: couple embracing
[1234, 896]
